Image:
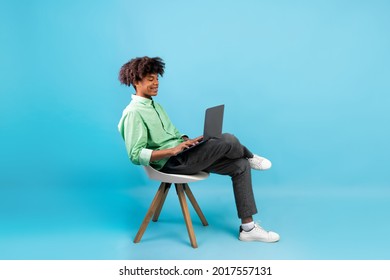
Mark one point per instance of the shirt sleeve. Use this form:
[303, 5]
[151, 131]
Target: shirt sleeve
[135, 135]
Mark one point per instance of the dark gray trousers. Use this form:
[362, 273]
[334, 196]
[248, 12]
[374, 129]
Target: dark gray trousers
[224, 156]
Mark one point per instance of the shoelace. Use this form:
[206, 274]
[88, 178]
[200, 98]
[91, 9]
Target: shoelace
[257, 225]
[257, 161]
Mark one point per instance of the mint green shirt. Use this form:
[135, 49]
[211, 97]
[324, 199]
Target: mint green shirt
[145, 126]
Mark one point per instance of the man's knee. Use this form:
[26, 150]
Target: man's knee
[229, 139]
[226, 146]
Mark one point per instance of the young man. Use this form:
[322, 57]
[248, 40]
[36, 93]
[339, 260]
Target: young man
[151, 139]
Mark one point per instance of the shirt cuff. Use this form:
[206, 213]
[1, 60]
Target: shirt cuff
[144, 156]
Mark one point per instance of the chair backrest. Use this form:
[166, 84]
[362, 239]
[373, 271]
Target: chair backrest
[174, 178]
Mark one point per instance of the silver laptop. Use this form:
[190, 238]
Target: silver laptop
[212, 125]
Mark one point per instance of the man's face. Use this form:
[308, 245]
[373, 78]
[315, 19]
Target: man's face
[148, 86]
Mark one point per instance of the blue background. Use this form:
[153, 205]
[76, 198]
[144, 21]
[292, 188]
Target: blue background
[305, 83]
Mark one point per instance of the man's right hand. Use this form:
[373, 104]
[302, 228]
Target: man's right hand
[166, 153]
[185, 145]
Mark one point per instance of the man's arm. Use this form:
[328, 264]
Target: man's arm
[134, 132]
[166, 153]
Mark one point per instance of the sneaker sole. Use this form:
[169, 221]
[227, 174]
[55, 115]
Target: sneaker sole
[251, 240]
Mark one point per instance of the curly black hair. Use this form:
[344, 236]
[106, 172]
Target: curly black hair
[138, 68]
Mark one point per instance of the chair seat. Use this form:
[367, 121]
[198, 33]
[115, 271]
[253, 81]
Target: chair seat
[174, 178]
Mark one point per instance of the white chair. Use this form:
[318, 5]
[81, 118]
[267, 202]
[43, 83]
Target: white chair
[182, 188]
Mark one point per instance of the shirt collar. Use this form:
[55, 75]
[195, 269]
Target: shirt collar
[142, 100]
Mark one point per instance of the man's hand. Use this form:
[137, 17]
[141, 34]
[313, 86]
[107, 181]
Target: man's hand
[185, 145]
[166, 153]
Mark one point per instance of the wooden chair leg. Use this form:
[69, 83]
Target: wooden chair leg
[161, 202]
[150, 213]
[195, 204]
[186, 214]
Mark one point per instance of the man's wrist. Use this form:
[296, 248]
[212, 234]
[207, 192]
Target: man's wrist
[172, 152]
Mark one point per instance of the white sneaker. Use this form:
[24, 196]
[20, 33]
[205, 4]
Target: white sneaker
[259, 163]
[258, 234]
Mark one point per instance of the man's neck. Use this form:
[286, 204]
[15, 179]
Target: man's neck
[143, 95]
